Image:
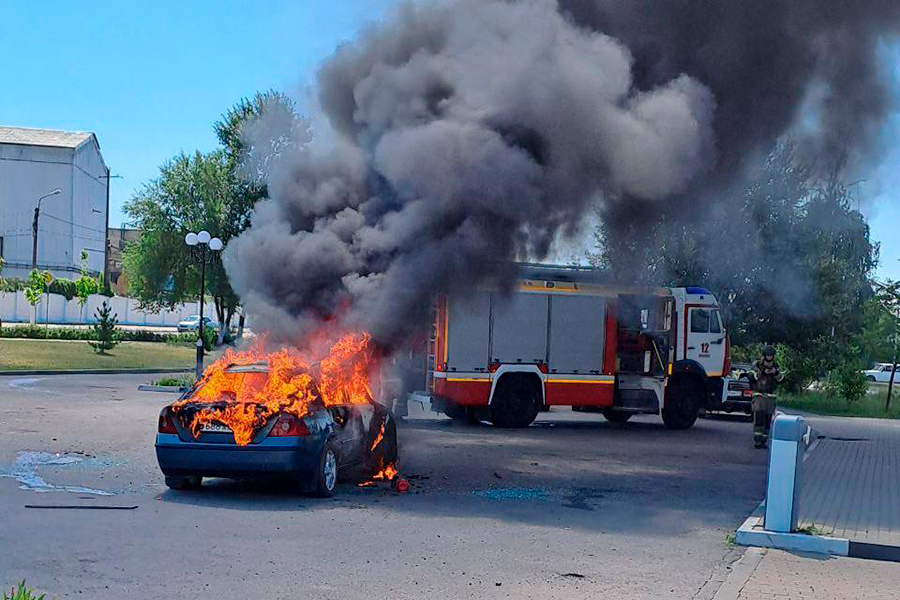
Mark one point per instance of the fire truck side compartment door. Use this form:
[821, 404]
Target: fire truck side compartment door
[519, 333]
[577, 334]
[468, 329]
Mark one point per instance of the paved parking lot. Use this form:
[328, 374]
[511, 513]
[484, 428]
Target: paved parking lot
[572, 507]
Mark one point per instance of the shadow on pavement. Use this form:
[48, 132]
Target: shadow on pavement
[585, 474]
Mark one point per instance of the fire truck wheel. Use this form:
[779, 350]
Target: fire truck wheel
[683, 400]
[516, 402]
[327, 471]
[616, 416]
[455, 411]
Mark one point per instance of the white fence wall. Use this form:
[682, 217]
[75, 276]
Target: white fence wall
[15, 309]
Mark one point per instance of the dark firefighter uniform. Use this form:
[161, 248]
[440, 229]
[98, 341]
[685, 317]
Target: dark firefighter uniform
[767, 376]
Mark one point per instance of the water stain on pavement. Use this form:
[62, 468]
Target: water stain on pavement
[24, 470]
[514, 493]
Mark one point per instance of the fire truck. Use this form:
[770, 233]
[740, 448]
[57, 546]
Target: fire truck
[563, 337]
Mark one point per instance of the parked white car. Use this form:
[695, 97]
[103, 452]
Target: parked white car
[881, 372]
[192, 323]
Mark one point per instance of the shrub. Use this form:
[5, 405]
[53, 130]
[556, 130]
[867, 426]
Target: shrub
[799, 368]
[210, 338]
[847, 382]
[77, 333]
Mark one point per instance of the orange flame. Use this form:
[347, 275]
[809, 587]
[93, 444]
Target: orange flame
[245, 400]
[378, 437]
[386, 473]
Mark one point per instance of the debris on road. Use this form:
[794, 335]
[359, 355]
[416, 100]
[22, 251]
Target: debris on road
[81, 506]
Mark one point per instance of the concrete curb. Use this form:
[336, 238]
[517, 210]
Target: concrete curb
[741, 572]
[171, 389]
[90, 372]
[751, 533]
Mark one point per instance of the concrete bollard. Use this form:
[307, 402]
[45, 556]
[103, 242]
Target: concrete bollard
[786, 448]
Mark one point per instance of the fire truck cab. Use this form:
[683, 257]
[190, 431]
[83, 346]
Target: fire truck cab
[562, 337]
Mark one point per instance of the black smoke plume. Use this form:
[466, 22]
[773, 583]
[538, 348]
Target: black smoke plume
[469, 133]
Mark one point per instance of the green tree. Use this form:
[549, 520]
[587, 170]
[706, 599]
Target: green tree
[215, 192]
[789, 258]
[34, 291]
[86, 285]
[887, 328]
[105, 329]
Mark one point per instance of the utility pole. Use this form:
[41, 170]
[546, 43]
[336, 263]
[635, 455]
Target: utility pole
[107, 177]
[34, 227]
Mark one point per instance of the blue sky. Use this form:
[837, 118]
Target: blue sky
[150, 78]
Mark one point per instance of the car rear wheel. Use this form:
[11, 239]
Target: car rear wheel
[327, 471]
[183, 482]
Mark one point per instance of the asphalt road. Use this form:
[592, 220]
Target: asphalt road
[572, 507]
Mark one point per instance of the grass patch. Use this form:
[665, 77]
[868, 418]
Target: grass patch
[49, 354]
[820, 403]
[22, 593]
[184, 380]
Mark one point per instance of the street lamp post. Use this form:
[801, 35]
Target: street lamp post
[199, 242]
[34, 227]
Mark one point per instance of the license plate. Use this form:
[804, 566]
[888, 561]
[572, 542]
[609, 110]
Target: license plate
[215, 428]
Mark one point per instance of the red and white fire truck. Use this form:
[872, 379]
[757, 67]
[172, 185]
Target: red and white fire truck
[564, 338]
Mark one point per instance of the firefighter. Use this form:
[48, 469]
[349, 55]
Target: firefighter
[767, 377]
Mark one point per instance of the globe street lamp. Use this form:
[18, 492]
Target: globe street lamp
[199, 243]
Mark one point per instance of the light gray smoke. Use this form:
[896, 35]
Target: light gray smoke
[472, 132]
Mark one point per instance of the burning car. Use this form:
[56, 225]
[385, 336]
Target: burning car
[283, 416]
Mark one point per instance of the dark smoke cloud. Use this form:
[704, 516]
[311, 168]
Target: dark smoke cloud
[472, 132]
[810, 69]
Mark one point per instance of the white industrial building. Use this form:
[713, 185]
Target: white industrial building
[34, 163]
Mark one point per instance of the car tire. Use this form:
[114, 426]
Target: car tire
[183, 482]
[684, 395]
[327, 471]
[616, 416]
[516, 402]
[870, 379]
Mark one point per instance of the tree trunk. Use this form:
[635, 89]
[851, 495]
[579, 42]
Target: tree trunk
[227, 325]
[220, 316]
[240, 334]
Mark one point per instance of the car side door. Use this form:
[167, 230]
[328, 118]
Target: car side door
[349, 433]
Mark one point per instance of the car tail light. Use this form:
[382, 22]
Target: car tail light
[289, 426]
[166, 423]
[747, 393]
